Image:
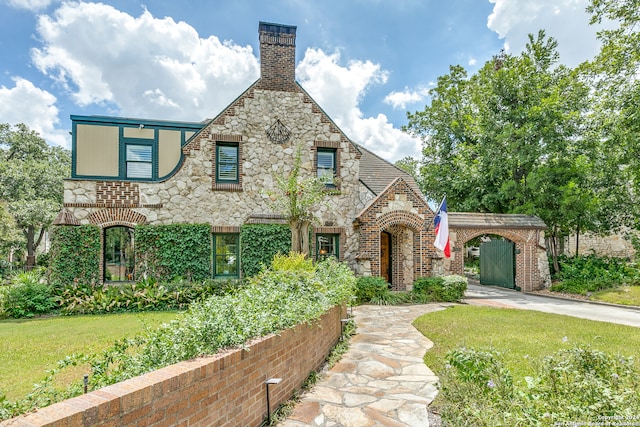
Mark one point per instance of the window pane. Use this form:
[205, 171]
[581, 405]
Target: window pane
[226, 254]
[139, 153]
[227, 172]
[326, 163]
[325, 160]
[139, 170]
[227, 163]
[139, 161]
[327, 245]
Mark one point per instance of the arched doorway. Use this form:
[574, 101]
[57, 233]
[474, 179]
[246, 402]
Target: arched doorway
[386, 248]
[118, 254]
[525, 232]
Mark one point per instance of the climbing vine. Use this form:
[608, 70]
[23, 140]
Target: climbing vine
[259, 243]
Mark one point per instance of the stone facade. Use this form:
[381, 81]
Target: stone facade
[271, 122]
[382, 221]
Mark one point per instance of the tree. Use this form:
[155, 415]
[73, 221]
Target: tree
[508, 139]
[410, 165]
[10, 236]
[31, 181]
[297, 199]
[614, 119]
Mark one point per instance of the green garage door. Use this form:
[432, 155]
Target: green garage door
[497, 263]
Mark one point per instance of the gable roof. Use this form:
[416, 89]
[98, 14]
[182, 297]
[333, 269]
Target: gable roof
[376, 173]
[490, 220]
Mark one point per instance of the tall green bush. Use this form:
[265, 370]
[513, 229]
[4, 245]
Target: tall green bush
[259, 243]
[169, 252]
[74, 255]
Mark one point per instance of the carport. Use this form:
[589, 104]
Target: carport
[526, 232]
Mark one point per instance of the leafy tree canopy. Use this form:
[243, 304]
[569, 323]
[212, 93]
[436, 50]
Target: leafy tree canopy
[507, 139]
[31, 180]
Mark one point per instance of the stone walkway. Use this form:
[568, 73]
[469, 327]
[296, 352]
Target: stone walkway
[381, 380]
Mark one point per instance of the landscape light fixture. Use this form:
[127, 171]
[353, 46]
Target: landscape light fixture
[268, 383]
[343, 323]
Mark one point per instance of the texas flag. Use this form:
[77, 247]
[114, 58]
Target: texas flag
[441, 223]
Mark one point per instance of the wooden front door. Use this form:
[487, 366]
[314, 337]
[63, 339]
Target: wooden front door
[385, 256]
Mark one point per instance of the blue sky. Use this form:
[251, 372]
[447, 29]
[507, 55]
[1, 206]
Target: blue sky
[366, 62]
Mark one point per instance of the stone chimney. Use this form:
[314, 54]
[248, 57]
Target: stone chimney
[277, 56]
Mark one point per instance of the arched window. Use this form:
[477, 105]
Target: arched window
[118, 254]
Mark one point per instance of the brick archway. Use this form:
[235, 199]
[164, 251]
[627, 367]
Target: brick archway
[117, 216]
[111, 217]
[403, 213]
[525, 231]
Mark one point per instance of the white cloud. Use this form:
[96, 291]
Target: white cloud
[400, 100]
[472, 61]
[25, 103]
[159, 68]
[145, 66]
[564, 20]
[339, 91]
[33, 5]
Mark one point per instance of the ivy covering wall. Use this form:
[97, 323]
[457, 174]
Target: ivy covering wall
[259, 243]
[162, 252]
[75, 254]
[168, 252]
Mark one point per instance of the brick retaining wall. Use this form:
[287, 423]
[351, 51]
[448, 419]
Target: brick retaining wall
[227, 389]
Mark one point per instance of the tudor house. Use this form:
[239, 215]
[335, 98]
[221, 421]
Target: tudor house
[127, 172]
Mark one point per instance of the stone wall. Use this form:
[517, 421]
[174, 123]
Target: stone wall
[227, 389]
[614, 245]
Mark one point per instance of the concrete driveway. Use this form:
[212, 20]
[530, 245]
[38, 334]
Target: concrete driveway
[501, 297]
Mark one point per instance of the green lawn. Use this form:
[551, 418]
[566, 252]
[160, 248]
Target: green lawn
[30, 347]
[524, 336]
[625, 295]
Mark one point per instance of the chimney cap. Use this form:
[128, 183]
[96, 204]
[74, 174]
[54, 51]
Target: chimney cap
[270, 27]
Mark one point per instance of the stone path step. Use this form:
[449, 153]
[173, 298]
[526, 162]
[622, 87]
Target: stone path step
[381, 380]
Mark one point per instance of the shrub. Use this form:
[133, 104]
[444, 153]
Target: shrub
[371, 289]
[271, 301]
[591, 273]
[27, 295]
[275, 299]
[145, 295]
[5, 268]
[444, 288]
[574, 384]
